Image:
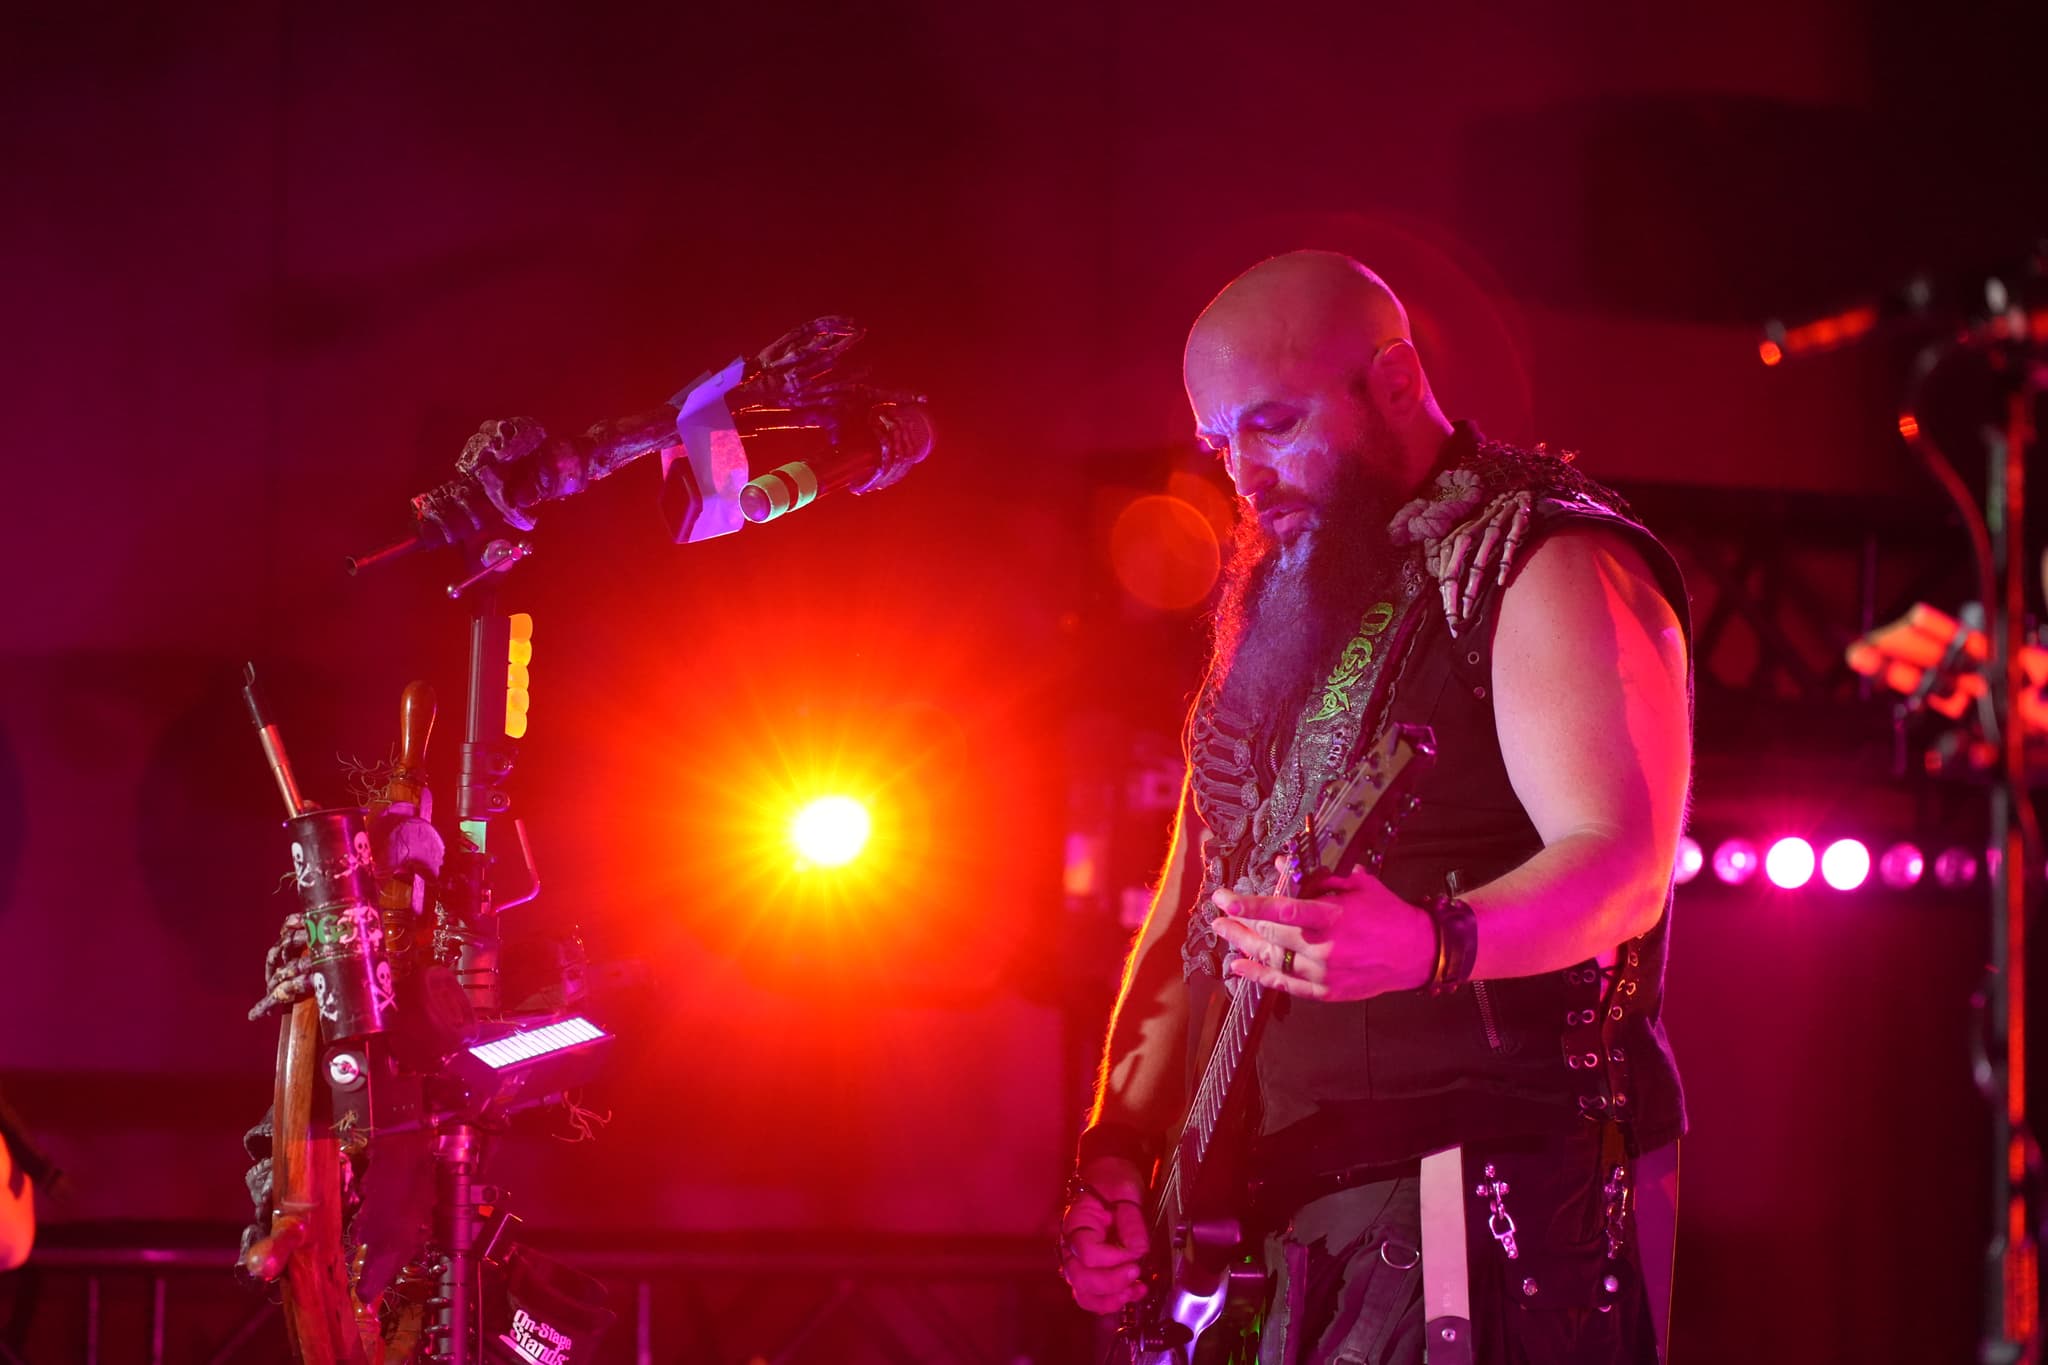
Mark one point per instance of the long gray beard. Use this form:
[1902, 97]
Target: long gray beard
[1286, 612]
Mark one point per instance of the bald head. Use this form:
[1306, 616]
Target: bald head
[1314, 307]
[1302, 364]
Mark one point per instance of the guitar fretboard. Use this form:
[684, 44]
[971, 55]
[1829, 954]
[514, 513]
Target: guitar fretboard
[1343, 810]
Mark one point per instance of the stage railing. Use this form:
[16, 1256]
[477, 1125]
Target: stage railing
[799, 1299]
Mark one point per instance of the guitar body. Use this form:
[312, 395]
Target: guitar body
[1216, 1284]
[1212, 1311]
[1219, 1288]
[1207, 1285]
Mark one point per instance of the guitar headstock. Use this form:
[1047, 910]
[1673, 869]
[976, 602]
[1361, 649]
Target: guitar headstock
[1359, 813]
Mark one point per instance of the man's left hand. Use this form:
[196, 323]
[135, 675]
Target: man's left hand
[1354, 941]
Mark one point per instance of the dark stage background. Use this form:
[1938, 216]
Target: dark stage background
[267, 265]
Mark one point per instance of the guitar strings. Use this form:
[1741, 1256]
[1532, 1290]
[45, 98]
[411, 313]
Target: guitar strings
[1245, 997]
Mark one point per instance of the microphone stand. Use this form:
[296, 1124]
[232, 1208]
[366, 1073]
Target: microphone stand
[2010, 1331]
[468, 934]
[787, 386]
[2002, 318]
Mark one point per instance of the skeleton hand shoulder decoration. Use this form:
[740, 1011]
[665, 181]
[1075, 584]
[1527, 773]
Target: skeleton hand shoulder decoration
[287, 968]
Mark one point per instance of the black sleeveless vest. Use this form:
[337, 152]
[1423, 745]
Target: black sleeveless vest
[1382, 1081]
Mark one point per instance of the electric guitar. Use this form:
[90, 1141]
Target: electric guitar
[1201, 1276]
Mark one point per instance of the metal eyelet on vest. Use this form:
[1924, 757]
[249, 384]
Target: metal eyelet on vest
[1614, 1012]
[1473, 657]
[1617, 1056]
[1572, 1061]
[1479, 692]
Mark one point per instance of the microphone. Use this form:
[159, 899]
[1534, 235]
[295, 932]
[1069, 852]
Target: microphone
[874, 454]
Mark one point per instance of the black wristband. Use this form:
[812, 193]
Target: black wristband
[1457, 939]
[1113, 1139]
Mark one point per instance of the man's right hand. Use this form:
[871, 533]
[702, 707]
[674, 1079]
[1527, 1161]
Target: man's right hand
[1103, 1236]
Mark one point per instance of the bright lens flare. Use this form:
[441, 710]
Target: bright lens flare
[1789, 864]
[1845, 865]
[831, 831]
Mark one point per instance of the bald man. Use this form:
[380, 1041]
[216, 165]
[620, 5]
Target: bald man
[1495, 991]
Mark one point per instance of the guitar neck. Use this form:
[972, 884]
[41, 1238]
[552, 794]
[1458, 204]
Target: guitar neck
[1369, 804]
[1228, 1057]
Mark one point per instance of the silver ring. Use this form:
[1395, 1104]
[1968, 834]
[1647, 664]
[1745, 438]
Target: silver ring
[1287, 963]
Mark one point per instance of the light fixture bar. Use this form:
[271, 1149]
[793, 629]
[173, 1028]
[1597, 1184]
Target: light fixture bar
[513, 1048]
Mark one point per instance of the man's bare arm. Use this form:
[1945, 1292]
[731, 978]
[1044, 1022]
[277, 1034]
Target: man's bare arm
[1143, 1074]
[1102, 1231]
[1590, 699]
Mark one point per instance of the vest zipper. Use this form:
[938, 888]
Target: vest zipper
[1481, 998]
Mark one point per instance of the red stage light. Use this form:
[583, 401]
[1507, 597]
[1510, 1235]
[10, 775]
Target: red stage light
[830, 831]
[1789, 864]
[1690, 858]
[1845, 865]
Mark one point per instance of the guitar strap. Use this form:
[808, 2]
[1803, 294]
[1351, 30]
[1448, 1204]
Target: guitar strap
[1446, 1271]
[1446, 1277]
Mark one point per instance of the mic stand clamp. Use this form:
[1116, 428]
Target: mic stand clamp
[497, 557]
